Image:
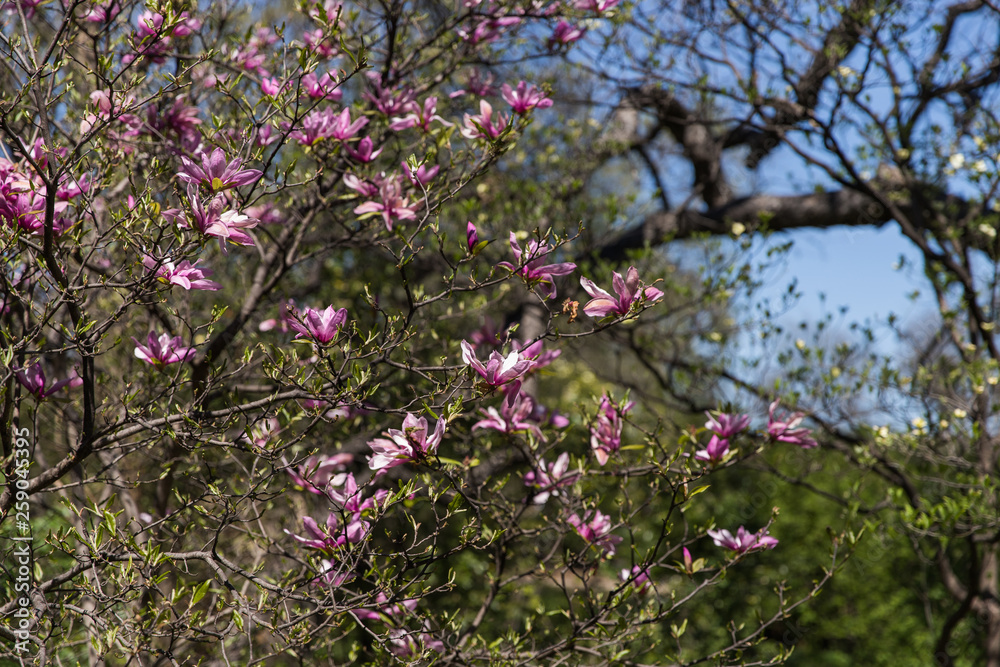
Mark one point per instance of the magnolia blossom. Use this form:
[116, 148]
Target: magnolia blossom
[596, 530]
[410, 444]
[531, 268]
[565, 33]
[471, 236]
[422, 176]
[788, 431]
[499, 370]
[215, 173]
[484, 125]
[514, 416]
[408, 644]
[162, 350]
[262, 432]
[211, 220]
[343, 492]
[393, 207]
[725, 425]
[332, 575]
[389, 101]
[177, 122]
[598, 6]
[418, 116]
[281, 323]
[384, 610]
[744, 541]
[331, 538]
[639, 578]
[606, 434]
[627, 290]
[325, 86]
[363, 153]
[548, 478]
[322, 327]
[185, 274]
[33, 379]
[319, 43]
[535, 354]
[318, 472]
[525, 98]
[327, 124]
[715, 452]
[487, 30]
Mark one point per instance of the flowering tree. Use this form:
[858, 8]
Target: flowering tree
[269, 393]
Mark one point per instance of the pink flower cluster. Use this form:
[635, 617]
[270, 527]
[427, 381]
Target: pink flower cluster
[723, 428]
[411, 444]
[606, 433]
[33, 379]
[23, 194]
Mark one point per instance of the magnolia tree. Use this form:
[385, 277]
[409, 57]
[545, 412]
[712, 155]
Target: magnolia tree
[270, 396]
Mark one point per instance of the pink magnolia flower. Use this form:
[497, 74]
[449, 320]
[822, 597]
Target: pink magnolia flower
[744, 541]
[596, 530]
[321, 87]
[393, 208]
[725, 425]
[363, 153]
[103, 12]
[383, 610]
[534, 353]
[162, 350]
[343, 492]
[331, 538]
[326, 124]
[320, 43]
[272, 87]
[606, 434]
[212, 221]
[33, 379]
[498, 370]
[406, 644]
[548, 478]
[483, 125]
[598, 6]
[565, 33]
[715, 452]
[418, 116]
[332, 575]
[525, 98]
[179, 121]
[489, 335]
[411, 444]
[471, 236]
[627, 290]
[388, 100]
[215, 174]
[487, 30]
[638, 577]
[513, 417]
[480, 84]
[318, 471]
[530, 267]
[262, 432]
[322, 327]
[422, 176]
[22, 204]
[362, 187]
[287, 314]
[27, 6]
[787, 431]
[185, 274]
